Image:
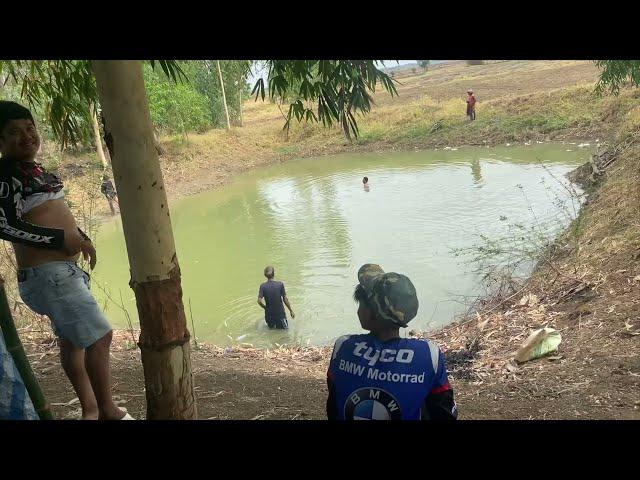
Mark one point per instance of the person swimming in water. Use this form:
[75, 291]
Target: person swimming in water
[365, 183]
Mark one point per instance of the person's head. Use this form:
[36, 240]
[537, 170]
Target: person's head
[19, 137]
[386, 301]
[269, 272]
[365, 180]
[470, 92]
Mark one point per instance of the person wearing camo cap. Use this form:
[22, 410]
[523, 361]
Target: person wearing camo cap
[379, 375]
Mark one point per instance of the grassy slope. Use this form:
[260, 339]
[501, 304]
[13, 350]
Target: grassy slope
[518, 101]
[588, 288]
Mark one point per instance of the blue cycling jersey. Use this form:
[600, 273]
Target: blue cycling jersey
[390, 380]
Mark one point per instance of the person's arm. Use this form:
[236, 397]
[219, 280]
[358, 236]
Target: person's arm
[286, 301]
[261, 299]
[332, 404]
[440, 404]
[14, 229]
[87, 249]
[332, 407]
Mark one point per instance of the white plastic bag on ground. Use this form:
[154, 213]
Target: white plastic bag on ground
[538, 344]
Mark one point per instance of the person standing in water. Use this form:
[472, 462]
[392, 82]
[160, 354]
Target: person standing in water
[270, 297]
[471, 105]
[365, 183]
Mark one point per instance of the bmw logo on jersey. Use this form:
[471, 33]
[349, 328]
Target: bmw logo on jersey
[371, 404]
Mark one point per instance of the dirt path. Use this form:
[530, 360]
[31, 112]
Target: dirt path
[232, 385]
[583, 384]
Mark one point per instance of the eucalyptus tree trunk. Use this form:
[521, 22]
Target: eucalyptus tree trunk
[98, 139]
[156, 142]
[224, 97]
[241, 120]
[155, 273]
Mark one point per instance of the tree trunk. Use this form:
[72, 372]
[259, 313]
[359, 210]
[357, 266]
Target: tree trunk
[224, 97]
[155, 273]
[241, 121]
[98, 139]
[107, 137]
[345, 127]
[156, 143]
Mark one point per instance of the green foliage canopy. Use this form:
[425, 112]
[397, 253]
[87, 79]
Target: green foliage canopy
[65, 91]
[617, 73]
[339, 89]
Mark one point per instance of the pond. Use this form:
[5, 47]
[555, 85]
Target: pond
[314, 221]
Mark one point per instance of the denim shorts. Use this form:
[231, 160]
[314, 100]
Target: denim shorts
[60, 290]
[279, 324]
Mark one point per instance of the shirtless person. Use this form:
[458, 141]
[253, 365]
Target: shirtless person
[47, 243]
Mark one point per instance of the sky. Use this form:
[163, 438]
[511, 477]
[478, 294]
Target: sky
[255, 75]
[392, 63]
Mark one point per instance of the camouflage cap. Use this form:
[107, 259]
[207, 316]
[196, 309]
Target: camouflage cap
[391, 295]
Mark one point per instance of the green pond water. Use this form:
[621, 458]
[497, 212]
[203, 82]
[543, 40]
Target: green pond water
[316, 224]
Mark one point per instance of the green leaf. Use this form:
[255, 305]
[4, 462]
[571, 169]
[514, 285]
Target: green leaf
[340, 88]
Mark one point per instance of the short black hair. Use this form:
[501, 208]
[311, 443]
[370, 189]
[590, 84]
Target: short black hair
[360, 295]
[269, 271]
[13, 111]
[365, 179]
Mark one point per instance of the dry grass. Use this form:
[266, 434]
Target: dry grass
[518, 100]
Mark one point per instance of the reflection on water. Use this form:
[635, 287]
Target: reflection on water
[317, 223]
[476, 170]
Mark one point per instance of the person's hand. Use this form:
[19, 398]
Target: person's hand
[293, 315]
[89, 253]
[72, 244]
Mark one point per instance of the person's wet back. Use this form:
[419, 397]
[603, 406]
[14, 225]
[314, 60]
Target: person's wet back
[274, 294]
[380, 376]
